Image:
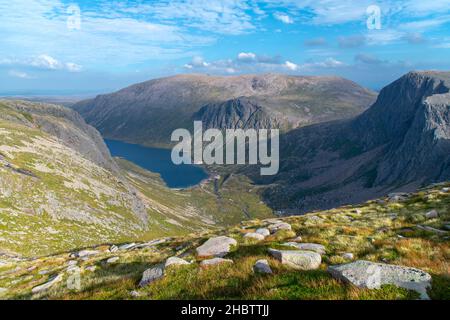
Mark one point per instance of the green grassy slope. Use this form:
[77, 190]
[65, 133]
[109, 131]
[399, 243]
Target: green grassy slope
[382, 230]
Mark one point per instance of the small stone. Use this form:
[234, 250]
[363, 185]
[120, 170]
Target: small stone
[357, 211]
[72, 263]
[113, 260]
[297, 239]
[262, 266]
[348, 256]
[297, 259]
[152, 274]
[48, 284]
[31, 268]
[214, 261]
[113, 248]
[445, 190]
[44, 272]
[91, 268]
[254, 235]
[320, 249]
[135, 294]
[264, 231]
[371, 275]
[175, 261]
[432, 214]
[216, 247]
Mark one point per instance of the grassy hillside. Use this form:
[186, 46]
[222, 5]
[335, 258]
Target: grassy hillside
[387, 230]
[54, 197]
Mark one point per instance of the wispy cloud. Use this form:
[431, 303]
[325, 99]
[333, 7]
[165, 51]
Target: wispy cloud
[19, 74]
[283, 18]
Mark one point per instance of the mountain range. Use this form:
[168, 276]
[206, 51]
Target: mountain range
[148, 112]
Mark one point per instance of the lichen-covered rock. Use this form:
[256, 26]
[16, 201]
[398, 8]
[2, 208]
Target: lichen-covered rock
[297, 259]
[279, 226]
[175, 261]
[432, 214]
[254, 235]
[371, 275]
[264, 231]
[152, 274]
[216, 247]
[48, 284]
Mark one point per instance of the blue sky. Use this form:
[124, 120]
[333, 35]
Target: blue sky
[46, 47]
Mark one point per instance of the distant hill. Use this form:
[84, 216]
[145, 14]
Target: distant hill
[148, 112]
[400, 143]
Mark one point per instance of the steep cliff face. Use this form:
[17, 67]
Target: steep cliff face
[400, 143]
[148, 112]
[240, 113]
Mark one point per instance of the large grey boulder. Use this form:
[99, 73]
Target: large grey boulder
[297, 259]
[216, 247]
[87, 253]
[264, 231]
[152, 274]
[54, 280]
[262, 266]
[371, 275]
[320, 249]
[214, 261]
[175, 261]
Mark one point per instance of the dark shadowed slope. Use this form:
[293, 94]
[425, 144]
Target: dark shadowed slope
[400, 143]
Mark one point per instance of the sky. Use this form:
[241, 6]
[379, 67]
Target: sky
[51, 47]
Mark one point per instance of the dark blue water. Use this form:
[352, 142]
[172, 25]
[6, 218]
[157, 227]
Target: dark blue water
[159, 161]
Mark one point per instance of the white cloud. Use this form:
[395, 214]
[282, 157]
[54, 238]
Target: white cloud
[291, 66]
[283, 18]
[327, 63]
[45, 61]
[247, 56]
[19, 74]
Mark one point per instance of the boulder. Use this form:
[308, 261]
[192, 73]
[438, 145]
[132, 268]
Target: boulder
[348, 256]
[87, 253]
[90, 268]
[297, 259]
[127, 246]
[54, 280]
[175, 261]
[432, 214]
[214, 261]
[371, 275]
[262, 266]
[152, 274]
[264, 231]
[445, 190]
[216, 247]
[279, 226]
[113, 260]
[320, 249]
[254, 235]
